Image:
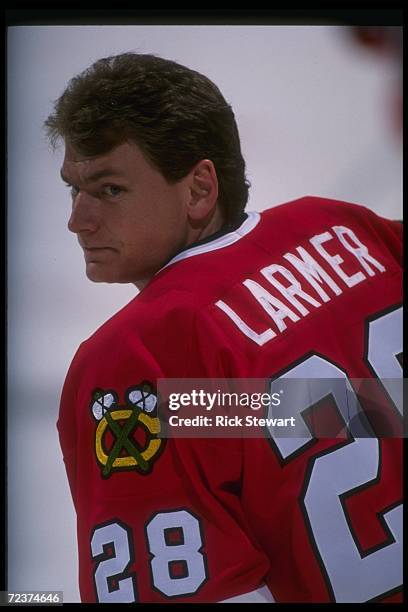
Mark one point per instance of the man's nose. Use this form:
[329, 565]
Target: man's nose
[84, 214]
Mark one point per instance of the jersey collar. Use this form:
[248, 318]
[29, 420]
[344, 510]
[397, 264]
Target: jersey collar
[219, 240]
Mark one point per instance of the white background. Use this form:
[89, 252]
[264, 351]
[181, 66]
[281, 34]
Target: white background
[314, 116]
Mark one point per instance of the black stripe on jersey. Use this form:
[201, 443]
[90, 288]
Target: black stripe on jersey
[226, 229]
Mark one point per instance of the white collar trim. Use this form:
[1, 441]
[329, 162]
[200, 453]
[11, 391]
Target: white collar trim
[247, 226]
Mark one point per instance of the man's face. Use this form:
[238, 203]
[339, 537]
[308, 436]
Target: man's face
[129, 220]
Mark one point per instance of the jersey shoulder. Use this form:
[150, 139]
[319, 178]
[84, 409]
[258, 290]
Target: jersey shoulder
[311, 213]
[131, 335]
[160, 322]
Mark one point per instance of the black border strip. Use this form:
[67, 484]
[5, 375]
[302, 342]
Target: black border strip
[367, 17]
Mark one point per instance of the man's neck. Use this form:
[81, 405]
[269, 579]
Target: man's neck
[194, 235]
[199, 233]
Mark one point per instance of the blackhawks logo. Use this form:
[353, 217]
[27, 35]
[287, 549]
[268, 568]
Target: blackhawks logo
[126, 436]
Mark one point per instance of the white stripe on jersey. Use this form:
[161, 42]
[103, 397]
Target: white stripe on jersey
[261, 595]
[247, 226]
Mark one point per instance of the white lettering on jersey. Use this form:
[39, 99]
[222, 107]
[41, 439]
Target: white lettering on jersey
[268, 301]
[290, 291]
[260, 339]
[359, 249]
[335, 260]
[312, 272]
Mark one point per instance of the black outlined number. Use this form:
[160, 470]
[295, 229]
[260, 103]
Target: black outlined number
[111, 549]
[384, 353]
[178, 565]
[338, 473]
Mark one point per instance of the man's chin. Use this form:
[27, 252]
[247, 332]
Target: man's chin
[98, 274]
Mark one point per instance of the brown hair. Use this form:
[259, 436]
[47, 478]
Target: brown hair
[177, 117]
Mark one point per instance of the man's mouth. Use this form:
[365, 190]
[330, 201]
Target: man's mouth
[95, 254]
[94, 249]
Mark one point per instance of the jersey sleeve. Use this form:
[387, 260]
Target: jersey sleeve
[66, 427]
[158, 520]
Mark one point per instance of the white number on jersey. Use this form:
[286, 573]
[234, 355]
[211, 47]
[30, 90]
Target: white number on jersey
[352, 576]
[178, 565]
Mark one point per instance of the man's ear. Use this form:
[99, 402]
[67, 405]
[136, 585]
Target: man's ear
[203, 185]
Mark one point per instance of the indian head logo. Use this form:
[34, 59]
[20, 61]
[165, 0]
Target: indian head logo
[126, 436]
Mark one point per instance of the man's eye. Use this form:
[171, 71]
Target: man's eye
[112, 190]
[73, 190]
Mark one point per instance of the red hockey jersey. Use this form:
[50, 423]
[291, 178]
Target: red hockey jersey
[310, 289]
